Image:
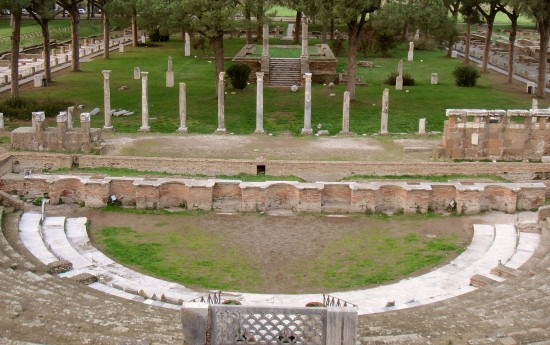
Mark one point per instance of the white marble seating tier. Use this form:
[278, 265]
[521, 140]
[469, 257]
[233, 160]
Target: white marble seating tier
[29, 233]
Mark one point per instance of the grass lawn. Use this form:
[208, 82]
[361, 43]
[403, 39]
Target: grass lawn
[283, 109]
[239, 252]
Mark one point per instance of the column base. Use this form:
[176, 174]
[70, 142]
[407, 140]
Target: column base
[144, 129]
[383, 133]
[306, 131]
[346, 133]
[109, 128]
[220, 131]
[182, 130]
[259, 131]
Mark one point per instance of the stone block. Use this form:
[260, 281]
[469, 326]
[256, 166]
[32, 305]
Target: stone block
[480, 281]
[194, 319]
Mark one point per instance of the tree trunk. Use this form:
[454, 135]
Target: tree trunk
[248, 23]
[487, 49]
[46, 49]
[324, 32]
[260, 20]
[297, 27]
[106, 34]
[15, 43]
[75, 20]
[353, 28]
[134, 28]
[217, 44]
[544, 32]
[332, 29]
[511, 47]
[467, 45]
[452, 36]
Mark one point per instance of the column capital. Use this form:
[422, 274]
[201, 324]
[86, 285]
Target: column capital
[222, 76]
[106, 73]
[144, 74]
[260, 76]
[307, 76]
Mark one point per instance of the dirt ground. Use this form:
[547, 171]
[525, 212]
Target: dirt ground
[279, 244]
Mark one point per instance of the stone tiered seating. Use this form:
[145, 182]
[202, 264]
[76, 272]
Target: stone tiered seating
[41, 308]
[285, 72]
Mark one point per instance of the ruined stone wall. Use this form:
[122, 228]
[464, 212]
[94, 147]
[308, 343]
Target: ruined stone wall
[368, 197]
[495, 134]
[309, 170]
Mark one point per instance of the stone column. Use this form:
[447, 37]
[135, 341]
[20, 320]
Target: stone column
[399, 78]
[137, 73]
[305, 36]
[307, 106]
[144, 103]
[259, 102]
[61, 128]
[70, 117]
[422, 126]
[121, 47]
[85, 128]
[410, 56]
[169, 74]
[345, 114]
[385, 109]
[143, 39]
[1, 120]
[187, 44]
[38, 118]
[183, 109]
[107, 99]
[221, 108]
[535, 104]
[265, 46]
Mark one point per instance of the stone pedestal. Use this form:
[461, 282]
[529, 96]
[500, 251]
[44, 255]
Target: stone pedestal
[37, 80]
[435, 79]
[143, 39]
[307, 106]
[121, 47]
[70, 117]
[61, 120]
[38, 118]
[422, 126]
[305, 36]
[107, 99]
[259, 102]
[1, 120]
[137, 73]
[169, 79]
[187, 45]
[183, 109]
[385, 110]
[454, 54]
[265, 46]
[85, 128]
[345, 114]
[221, 108]
[144, 103]
[535, 104]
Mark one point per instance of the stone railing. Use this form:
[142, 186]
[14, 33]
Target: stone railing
[495, 134]
[235, 324]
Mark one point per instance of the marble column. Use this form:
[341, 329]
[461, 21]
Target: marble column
[85, 127]
[61, 120]
[410, 55]
[144, 103]
[307, 106]
[137, 73]
[535, 104]
[121, 47]
[183, 109]
[107, 99]
[265, 46]
[1, 120]
[345, 114]
[305, 36]
[399, 78]
[187, 44]
[221, 109]
[385, 110]
[259, 102]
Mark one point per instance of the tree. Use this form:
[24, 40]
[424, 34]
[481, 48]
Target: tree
[452, 6]
[43, 11]
[513, 15]
[122, 8]
[104, 6]
[540, 11]
[16, 8]
[354, 13]
[488, 10]
[211, 19]
[470, 14]
[71, 6]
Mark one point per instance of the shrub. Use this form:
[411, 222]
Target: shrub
[466, 75]
[21, 108]
[337, 46]
[238, 74]
[408, 80]
[156, 36]
[425, 44]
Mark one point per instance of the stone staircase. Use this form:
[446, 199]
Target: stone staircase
[284, 72]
